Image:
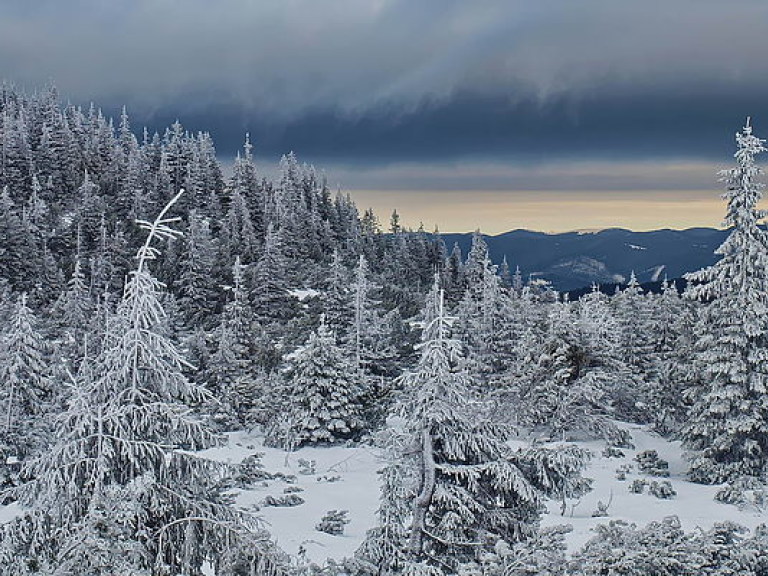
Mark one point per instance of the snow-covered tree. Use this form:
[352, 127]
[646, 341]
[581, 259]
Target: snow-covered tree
[323, 392]
[482, 314]
[672, 359]
[728, 424]
[269, 286]
[365, 328]
[129, 427]
[198, 292]
[574, 377]
[469, 486]
[24, 386]
[232, 366]
[73, 311]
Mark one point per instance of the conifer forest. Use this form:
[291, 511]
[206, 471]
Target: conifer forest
[206, 370]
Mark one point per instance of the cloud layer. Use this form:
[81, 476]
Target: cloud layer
[382, 81]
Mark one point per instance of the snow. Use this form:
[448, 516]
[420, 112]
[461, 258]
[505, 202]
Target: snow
[657, 272]
[357, 490]
[9, 512]
[304, 294]
[694, 503]
[636, 247]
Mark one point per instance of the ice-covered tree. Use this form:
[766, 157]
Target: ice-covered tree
[129, 429]
[727, 428]
[672, 368]
[268, 284]
[73, 311]
[470, 487]
[384, 549]
[323, 392]
[574, 375]
[198, 293]
[482, 313]
[366, 324]
[24, 386]
[233, 365]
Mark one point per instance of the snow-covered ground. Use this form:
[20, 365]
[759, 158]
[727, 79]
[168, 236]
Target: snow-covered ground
[346, 478]
[357, 490]
[694, 504]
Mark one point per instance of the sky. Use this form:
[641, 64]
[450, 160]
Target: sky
[499, 114]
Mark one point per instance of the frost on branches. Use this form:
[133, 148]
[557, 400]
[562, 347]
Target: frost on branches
[323, 393]
[470, 489]
[728, 424]
[120, 488]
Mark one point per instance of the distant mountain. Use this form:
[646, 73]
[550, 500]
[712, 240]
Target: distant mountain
[574, 260]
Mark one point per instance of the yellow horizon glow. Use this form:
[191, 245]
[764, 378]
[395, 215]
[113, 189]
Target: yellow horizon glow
[499, 211]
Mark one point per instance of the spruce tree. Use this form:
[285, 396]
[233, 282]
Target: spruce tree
[25, 389]
[198, 290]
[727, 428]
[470, 486]
[128, 431]
[323, 392]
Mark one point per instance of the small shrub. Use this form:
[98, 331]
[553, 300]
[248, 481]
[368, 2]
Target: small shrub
[307, 467]
[743, 492]
[286, 501]
[333, 522]
[648, 462]
[663, 489]
[622, 471]
[612, 452]
[251, 471]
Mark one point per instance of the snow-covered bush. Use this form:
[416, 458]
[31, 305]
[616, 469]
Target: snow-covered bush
[322, 394]
[662, 489]
[333, 522]
[744, 492]
[251, 471]
[664, 549]
[649, 462]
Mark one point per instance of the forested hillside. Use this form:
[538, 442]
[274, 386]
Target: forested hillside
[152, 309]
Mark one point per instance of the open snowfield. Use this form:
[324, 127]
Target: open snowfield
[356, 490]
[694, 504]
[346, 478]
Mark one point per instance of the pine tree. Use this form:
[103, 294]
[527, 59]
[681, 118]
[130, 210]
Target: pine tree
[199, 296]
[365, 321]
[269, 286]
[575, 374]
[337, 298]
[73, 311]
[672, 358]
[728, 424]
[127, 422]
[322, 391]
[24, 375]
[468, 484]
[16, 245]
[481, 313]
[232, 366]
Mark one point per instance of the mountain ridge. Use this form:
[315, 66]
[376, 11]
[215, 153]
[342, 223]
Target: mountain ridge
[573, 260]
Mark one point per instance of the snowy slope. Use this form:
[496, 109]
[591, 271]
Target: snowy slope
[694, 503]
[356, 489]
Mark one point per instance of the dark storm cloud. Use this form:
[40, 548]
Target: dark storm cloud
[372, 80]
[471, 126]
